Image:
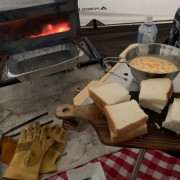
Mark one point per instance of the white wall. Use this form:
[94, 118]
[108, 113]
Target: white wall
[126, 11]
[117, 11]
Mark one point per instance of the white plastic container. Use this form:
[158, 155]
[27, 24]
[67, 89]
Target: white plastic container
[147, 32]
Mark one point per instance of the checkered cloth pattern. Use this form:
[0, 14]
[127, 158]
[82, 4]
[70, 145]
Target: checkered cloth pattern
[119, 166]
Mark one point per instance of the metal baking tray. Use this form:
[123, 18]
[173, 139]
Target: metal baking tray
[41, 64]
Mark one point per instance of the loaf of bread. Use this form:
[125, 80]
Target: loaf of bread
[172, 121]
[125, 120]
[155, 93]
[109, 94]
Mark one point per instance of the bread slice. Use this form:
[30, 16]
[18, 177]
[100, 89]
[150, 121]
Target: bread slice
[156, 91]
[172, 121]
[109, 94]
[154, 107]
[129, 135]
[125, 117]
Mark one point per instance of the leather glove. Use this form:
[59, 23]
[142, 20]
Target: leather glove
[60, 136]
[31, 147]
[8, 146]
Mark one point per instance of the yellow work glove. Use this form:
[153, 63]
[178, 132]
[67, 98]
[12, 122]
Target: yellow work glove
[31, 147]
[60, 136]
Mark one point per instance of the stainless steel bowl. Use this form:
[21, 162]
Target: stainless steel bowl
[170, 53]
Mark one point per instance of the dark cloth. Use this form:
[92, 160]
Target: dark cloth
[111, 41]
[174, 38]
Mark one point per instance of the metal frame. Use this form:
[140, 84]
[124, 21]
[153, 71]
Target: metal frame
[96, 58]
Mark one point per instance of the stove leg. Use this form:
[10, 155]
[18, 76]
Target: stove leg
[3, 59]
[83, 49]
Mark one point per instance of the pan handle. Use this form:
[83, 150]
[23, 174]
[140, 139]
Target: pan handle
[112, 60]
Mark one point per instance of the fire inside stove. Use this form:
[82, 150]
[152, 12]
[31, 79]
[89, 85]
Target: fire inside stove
[34, 27]
[53, 29]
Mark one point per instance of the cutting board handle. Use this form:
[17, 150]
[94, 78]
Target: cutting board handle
[89, 113]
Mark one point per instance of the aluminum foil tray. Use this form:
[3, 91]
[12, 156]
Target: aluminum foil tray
[42, 62]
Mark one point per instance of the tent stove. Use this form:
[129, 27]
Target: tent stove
[40, 38]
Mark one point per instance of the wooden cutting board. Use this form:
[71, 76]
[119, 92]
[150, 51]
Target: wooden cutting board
[156, 138]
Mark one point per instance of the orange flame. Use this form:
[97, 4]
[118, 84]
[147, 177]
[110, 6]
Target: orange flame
[53, 29]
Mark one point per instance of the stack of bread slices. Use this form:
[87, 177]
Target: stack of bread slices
[109, 94]
[155, 93]
[126, 120]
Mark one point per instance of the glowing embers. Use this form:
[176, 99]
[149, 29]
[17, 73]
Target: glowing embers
[52, 29]
[34, 27]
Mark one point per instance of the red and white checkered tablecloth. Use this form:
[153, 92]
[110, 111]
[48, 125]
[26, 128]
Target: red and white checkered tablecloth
[119, 166]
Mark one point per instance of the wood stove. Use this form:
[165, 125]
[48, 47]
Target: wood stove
[42, 37]
[28, 25]
[38, 37]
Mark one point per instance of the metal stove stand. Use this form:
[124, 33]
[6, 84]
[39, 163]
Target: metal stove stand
[91, 56]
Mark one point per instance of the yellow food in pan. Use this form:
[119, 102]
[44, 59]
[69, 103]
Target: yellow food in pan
[153, 64]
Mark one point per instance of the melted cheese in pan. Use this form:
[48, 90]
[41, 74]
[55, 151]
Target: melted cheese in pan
[153, 64]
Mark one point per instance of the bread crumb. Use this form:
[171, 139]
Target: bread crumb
[157, 125]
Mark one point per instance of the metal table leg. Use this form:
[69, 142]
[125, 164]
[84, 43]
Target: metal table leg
[137, 164]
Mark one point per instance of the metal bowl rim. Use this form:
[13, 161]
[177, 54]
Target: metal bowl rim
[140, 56]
